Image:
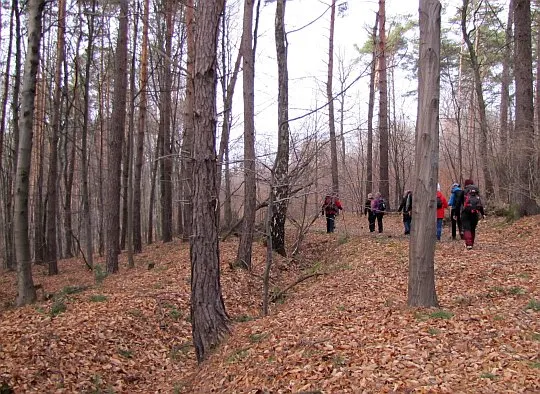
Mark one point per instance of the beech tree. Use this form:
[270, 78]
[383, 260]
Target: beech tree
[208, 315]
[384, 181]
[421, 287]
[25, 283]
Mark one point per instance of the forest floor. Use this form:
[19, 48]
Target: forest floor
[346, 330]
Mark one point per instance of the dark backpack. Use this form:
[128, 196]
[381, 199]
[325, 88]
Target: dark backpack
[382, 205]
[439, 202]
[472, 202]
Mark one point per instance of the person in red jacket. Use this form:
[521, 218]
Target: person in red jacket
[442, 204]
[330, 208]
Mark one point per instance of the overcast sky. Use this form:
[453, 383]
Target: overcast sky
[308, 56]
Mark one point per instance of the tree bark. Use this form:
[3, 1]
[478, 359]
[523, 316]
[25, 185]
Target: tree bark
[250, 186]
[384, 182]
[524, 130]
[371, 105]
[143, 107]
[165, 129]
[421, 286]
[208, 315]
[51, 254]
[281, 166]
[25, 283]
[115, 141]
[187, 140]
[330, 98]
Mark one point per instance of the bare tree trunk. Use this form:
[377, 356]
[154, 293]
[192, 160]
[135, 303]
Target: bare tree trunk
[384, 184]
[25, 283]
[9, 261]
[228, 94]
[165, 128]
[208, 315]
[371, 105]
[524, 130]
[483, 145]
[187, 140]
[281, 166]
[116, 136]
[51, 257]
[137, 227]
[250, 185]
[131, 132]
[421, 287]
[330, 98]
[38, 162]
[86, 205]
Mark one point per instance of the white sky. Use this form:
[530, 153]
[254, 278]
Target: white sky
[308, 56]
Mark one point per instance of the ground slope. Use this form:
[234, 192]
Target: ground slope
[348, 330]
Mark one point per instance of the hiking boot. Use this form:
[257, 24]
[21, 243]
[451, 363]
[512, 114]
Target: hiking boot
[469, 247]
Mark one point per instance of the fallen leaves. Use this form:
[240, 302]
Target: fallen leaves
[347, 331]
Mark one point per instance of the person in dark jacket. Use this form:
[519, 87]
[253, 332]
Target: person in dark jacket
[470, 211]
[406, 208]
[456, 202]
[378, 207]
[370, 214]
[330, 208]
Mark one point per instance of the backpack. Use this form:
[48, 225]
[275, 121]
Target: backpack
[382, 205]
[472, 202]
[330, 204]
[439, 202]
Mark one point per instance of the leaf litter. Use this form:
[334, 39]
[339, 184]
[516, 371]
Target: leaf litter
[348, 331]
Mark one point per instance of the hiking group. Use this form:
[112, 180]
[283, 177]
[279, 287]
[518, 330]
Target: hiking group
[465, 210]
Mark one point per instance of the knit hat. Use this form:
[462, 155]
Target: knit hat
[455, 184]
[438, 187]
[370, 195]
[469, 182]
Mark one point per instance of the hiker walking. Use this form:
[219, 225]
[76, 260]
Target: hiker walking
[370, 214]
[472, 208]
[406, 207]
[442, 204]
[456, 202]
[330, 208]
[378, 206]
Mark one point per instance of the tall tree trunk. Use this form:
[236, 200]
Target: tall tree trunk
[371, 105]
[165, 129]
[250, 185]
[187, 140]
[38, 162]
[330, 98]
[9, 262]
[524, 130]
[421, 287]
[116, 135]
[51, 257]
[10, 182]
[86, 205]
[131, 132]
[281, 165]
[143, 104]
[208, 315]
[228, 94]
[384, 182]
[483, 143]
[25, 283]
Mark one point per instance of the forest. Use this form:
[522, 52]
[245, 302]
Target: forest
[158, 234]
